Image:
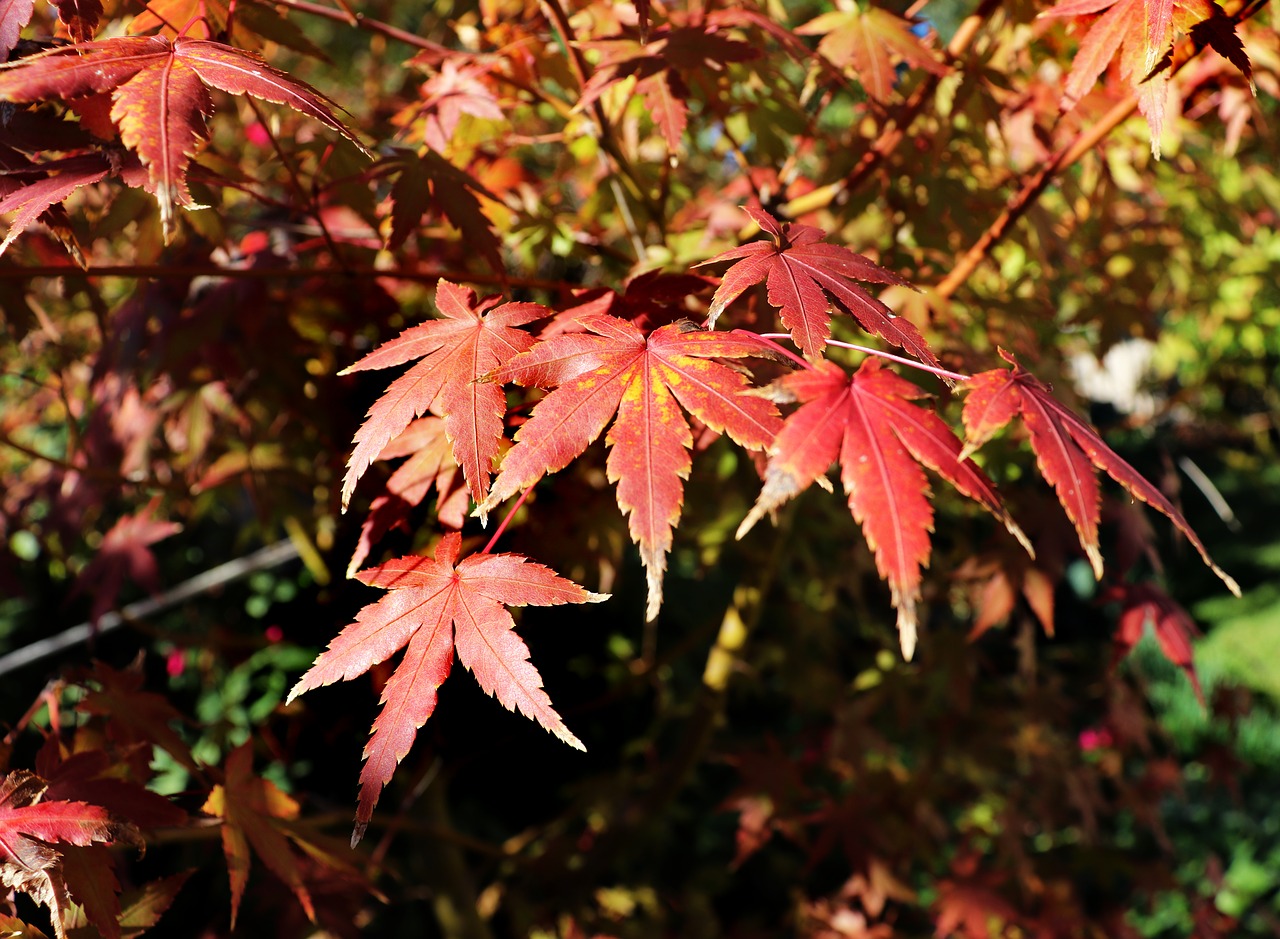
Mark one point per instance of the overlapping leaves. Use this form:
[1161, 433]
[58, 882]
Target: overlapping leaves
[615, 369]
[881, 440]
[160, 97]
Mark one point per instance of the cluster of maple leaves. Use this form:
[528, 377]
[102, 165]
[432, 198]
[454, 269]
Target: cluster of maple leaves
[652, 368]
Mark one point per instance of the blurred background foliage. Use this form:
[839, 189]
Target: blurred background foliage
[760, 761]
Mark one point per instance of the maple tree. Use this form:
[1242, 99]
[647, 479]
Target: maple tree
[739, 245]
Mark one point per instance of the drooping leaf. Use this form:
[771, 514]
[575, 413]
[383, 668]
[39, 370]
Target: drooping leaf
[614, 368]
[1067, 451]
[433, 607]
[161, 104]
[1143, 605]
[663, 65]
[90, 876]
[34, 192]
[470, 341]
[81, 17]
[14, 14]
[1142, 31]
[869, 39]
[452, 92]
[134, 715]
[882, 441]
[250, 808]
[802, 271]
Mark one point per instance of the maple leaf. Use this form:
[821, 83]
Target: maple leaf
[615, 368]
[161, 100]
[125, 552]
[801, 271]
[29, 826]
[428, 182]
[1143, 605]
[881, 440]
[470, 341]
[868, 38]
[1067, 451]
[430, 464]
[80, 16]
[251, 808]
[14, 14]
[134, 716]
[452, 92]
[662, 66]
[1142, 31]
[434, 607]
[34, 191]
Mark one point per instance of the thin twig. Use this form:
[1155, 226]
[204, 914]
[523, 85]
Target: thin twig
[270, 556]
[880, 353]
[506, 520]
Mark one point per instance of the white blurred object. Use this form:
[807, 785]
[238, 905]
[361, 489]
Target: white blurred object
[1117, 379]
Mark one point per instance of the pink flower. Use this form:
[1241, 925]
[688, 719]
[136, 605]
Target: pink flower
[1094, 738]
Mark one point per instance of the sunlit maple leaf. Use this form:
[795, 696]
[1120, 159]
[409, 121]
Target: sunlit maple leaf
[882, 441]
[430, 465]
[452, 92]
[30, 826]
[1142, 31]
[613, 368]
[251, 809]
[662, 67]
[434, 606]
[869, 39]
[649, 300]
[125, 552]
[804, 274]
[34, 191]
[160, 96]
[1146, 605]
[1067, 451]
[472, 339]
[14, 14]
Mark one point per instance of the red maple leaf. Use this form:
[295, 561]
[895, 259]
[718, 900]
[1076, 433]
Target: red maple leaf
[869, 38]
[251, 809]
[80, 16]
[802, 271]
[428, 183]
[662, 64]
[125, 552]
[1144, 605]
[452, 92]
[160, 92]
[30, 826]
[14, 14]
[33, 191]
[1142, 31]
[881, 440]
[1067, 451]
[472, 340]
[435, 606]
[613, 368]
